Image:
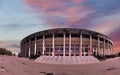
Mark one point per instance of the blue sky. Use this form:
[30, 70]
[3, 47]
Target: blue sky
[16, 22]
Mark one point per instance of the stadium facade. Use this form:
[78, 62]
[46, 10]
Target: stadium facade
[66, 42]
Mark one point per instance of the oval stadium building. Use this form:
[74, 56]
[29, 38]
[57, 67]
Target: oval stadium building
[66, 42]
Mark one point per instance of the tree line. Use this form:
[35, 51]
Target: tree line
[4, 51]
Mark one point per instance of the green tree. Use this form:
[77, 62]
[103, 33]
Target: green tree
[4, 51]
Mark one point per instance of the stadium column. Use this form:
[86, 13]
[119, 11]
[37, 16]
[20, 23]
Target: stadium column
[98, 50]
[107, 48]
[111, 51]
[29, 49]
[104, 47]
[43, 45]
[64, 45]
[25, 49]
[53, 46]
[69, 44]
[90, 53]
[35, 47]
[80, 50]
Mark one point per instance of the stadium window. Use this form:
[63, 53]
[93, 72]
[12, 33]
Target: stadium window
[32, 39]
[39, 37]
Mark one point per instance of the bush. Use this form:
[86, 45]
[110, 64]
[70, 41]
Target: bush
[4, 51]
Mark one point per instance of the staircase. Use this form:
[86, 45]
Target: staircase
[67, 59]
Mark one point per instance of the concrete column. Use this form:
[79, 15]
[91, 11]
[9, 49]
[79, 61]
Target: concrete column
[43, 45]
[35, 47]
[53, 45]
[98, 50]
[29, 49]
[90, 53]
[111, 50]
[107, 48]
[104, 47]
[24, 49]
[26, 52]
[80, 50]
[64, 45]
[69, 44]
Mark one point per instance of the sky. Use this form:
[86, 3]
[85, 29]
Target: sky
[20, 18]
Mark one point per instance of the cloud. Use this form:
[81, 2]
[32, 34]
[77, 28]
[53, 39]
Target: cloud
[78, 1]
[56, 11]
[74, 12]
[99, 15]
[107, 24]
[2, 44]
[11, 45]
[116, 39]
[46, 4]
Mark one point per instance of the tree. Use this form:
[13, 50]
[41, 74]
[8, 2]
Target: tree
[4, 51]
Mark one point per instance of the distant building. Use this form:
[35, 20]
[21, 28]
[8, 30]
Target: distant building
[66, 42]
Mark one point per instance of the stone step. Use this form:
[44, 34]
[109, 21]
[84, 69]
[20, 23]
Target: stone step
[67, 59]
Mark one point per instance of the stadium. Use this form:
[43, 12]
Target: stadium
[66, 43]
